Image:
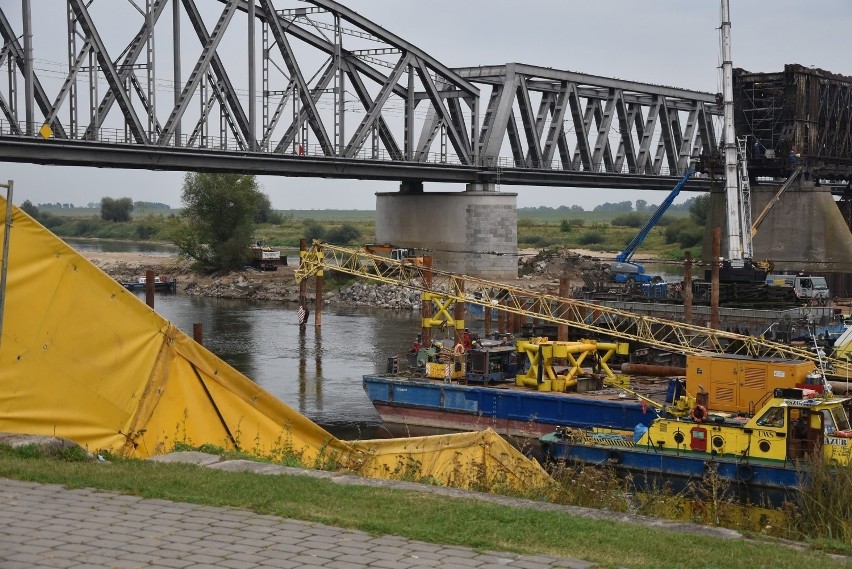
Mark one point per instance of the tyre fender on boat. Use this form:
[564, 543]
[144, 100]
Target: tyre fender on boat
[615, 457]
[698, 413]
[745, 472]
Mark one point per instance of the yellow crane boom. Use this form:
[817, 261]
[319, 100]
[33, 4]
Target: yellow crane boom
[595, 318]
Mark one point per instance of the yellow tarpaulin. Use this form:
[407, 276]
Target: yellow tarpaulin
[83, 358]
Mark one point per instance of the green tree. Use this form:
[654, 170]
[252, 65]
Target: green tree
[699, 208]
[632, 219]
[30, 209]
[217, 223]
[342, 235]
[313, 230]
[265, 213]
[116, 209]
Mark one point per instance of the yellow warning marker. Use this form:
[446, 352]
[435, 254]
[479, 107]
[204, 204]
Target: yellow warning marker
[45, 131]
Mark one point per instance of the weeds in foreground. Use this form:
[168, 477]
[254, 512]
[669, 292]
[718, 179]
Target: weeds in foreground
[824, 502]
[707, 501]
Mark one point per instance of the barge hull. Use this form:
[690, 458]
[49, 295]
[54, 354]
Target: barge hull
[686, 464]
[507, 411]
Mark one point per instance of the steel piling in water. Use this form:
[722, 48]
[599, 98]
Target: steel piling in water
[149, 288]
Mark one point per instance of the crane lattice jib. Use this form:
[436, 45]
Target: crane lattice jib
[597, 319]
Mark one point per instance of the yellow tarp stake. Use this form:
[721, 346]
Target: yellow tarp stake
[83, 358]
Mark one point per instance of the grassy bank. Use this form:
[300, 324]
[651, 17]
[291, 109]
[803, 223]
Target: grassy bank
[415, 515]
[596, 231]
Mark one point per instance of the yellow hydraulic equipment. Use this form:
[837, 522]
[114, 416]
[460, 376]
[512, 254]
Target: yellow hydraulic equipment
[594, 318]
[81, 357]
[441, 316]
[543, 355]
[447, 364]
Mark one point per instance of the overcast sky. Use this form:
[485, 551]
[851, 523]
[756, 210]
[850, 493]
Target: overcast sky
[668, 42]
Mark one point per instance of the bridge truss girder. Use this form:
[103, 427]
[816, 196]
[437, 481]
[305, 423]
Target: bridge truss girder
[335, 87]
[293, 41]
[615, 126]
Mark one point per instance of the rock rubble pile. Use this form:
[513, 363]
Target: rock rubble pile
[382, 296]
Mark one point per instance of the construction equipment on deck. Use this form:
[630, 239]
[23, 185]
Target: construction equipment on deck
[596, 319]
[622, 269]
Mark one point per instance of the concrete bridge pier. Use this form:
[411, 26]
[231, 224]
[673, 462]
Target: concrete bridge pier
[474, 232]
[804, 231]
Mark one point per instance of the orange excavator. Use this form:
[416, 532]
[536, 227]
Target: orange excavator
[401, 254]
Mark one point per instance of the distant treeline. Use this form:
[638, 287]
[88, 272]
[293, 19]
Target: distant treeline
[97, 206]
[625, 206]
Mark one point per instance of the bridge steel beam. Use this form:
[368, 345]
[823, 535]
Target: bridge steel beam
[412, 117]
[107, 155]
[596, 103]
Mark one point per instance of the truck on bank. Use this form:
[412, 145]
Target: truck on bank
[811, 289]
[263, 257]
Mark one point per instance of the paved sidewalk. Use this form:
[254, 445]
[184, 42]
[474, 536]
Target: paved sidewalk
[49, 526]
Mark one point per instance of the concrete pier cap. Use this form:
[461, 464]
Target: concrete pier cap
[804, 231]
[473, 232]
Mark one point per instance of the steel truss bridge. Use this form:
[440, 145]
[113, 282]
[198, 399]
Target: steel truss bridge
[254, 87]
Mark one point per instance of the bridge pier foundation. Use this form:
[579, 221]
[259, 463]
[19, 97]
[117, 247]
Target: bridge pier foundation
[474, 232]
[804, 231]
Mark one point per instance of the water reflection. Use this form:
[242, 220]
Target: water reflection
[317, 372]
[318, 360]
[119, 246]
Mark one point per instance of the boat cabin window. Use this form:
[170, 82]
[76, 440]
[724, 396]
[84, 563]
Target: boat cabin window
[835, 419]
[773, 417]
[828, 422]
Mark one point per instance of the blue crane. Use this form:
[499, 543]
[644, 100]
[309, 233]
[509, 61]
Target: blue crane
[622, 270]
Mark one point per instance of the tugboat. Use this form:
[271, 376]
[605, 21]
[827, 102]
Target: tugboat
[763, 451]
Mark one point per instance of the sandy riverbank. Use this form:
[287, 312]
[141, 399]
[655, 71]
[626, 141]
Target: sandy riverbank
[261, 285]
[281, 284]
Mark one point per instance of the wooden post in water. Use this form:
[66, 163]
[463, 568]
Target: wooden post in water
[426, 304]
[564, 292]
[458, 314]
[303, 285]
[318, 279]
[520, 319]
[149, 288]
[197, 333]
[687, 288]
[714, 278]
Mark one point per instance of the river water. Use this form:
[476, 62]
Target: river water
[317, 372]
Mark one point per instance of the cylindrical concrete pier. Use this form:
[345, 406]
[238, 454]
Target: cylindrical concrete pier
[472, 232]
[804, 231]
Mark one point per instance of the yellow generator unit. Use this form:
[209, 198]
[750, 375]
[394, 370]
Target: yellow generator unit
[445, 370]
[738, 383]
